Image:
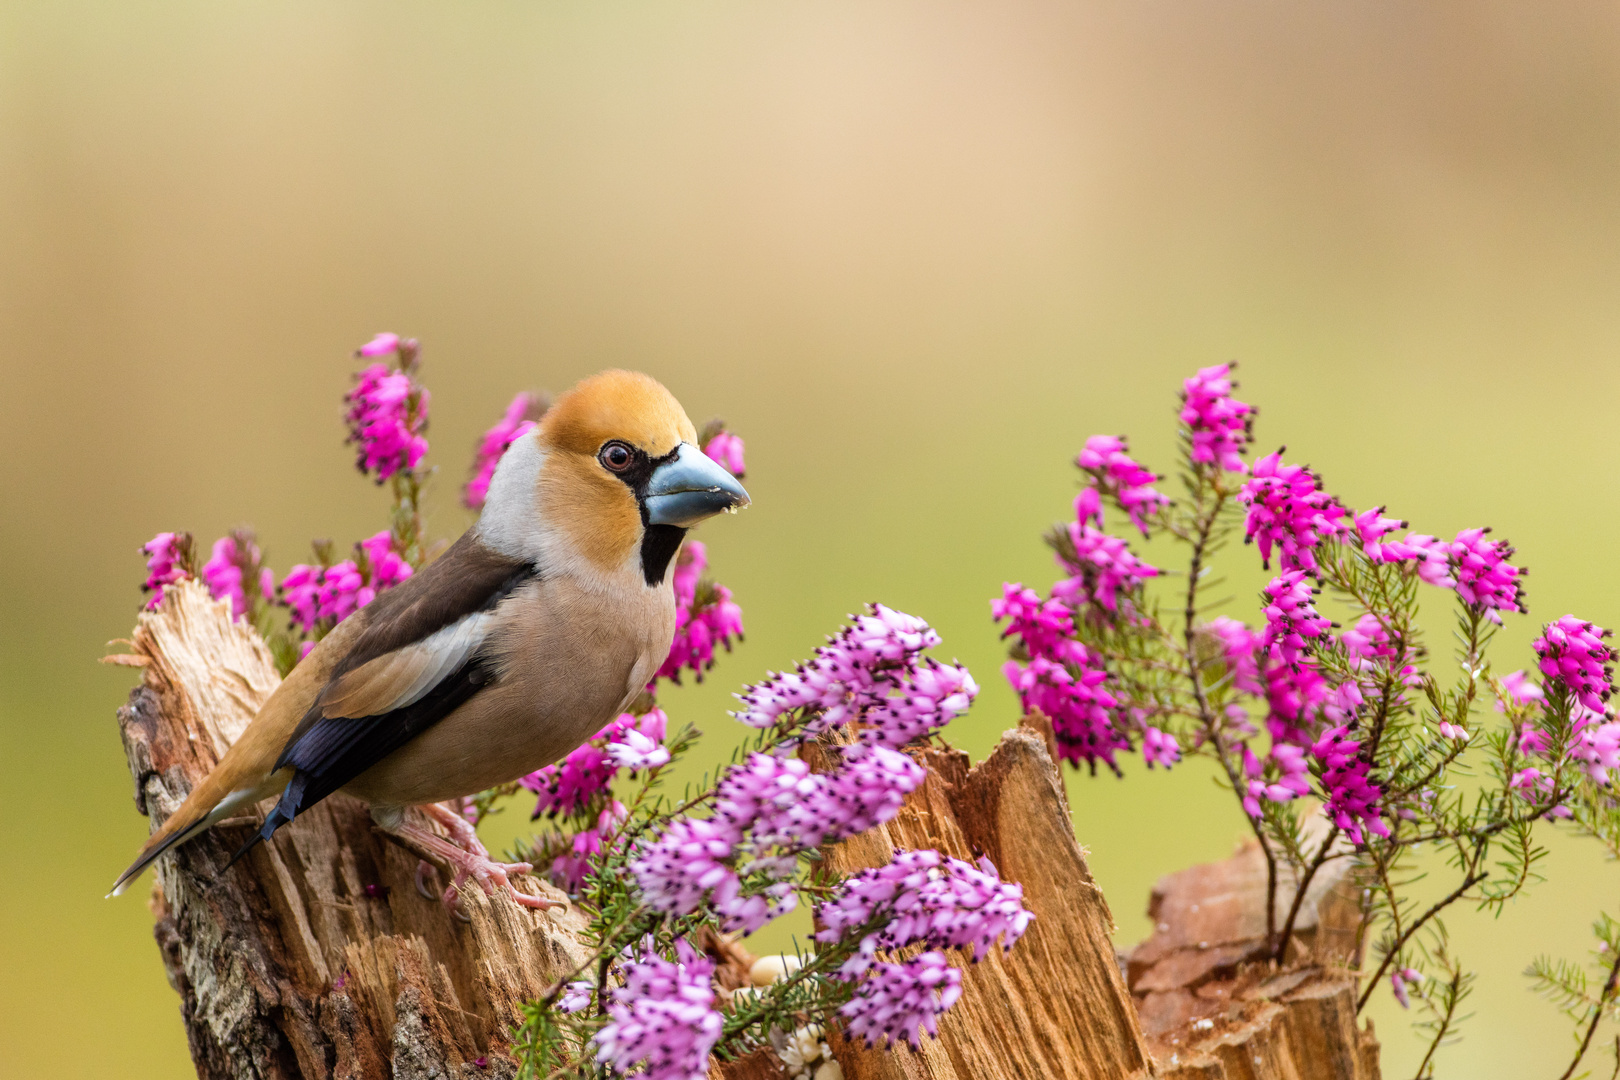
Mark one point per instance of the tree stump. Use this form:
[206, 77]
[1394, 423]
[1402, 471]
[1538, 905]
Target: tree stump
[316, 958]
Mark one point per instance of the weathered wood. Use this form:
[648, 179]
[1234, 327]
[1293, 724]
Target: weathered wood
[315, 956]
[1056, 1005]
[1213, 1006]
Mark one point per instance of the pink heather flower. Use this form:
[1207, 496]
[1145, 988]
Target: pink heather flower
[1044, 627]
[1104, 567]
[900, 1001]
[1292, 622]
[570, 869]
[1160, 748]
[1527, 783]
[569, 786]
[771, 800]
[686, 861]
[1371, 529]
[923, 897]
[1218, 425]
[1080, 708]
[727, 449]
[314, 594]
[1533, 741]
[877, 655]
[387, 568]
[168, 558]
[628, 742]
[1282, 777]
[1352, 798]
[1448, 730]
[517, 422]
[704, 618]
[1367, 642]
[1240, 645]
[931, 696]
[663, 1018]
[300, 592]
[1596, 745]
[1433, 559]
[381, 345]
[1485, 578]
[386, 416]
[1113, 471]
[1517, 688]
[577, 997]
[1289, 510]
[343, 591]
[1400, 979]
[635, 752]
[777, 802]
[233, 572]
[1572, 652]
[868, 789]
[1298, 696]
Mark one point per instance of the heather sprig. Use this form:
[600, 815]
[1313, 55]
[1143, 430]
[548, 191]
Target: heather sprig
[1326, 697]
[734, 854]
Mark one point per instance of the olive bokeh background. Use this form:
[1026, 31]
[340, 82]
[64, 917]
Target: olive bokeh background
[914, 252]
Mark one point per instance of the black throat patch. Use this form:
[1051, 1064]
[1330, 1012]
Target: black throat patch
[658, 546]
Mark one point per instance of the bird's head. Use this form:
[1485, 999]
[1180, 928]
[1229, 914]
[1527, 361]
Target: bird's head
[613, 477]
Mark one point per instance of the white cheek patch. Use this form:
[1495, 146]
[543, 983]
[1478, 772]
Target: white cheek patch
[510, 523]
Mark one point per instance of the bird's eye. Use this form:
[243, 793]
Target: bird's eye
[615, 457]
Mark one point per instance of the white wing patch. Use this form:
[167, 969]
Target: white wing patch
[406, 675]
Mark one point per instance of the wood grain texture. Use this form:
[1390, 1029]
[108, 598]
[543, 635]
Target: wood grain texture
[288, 965]
[1056, 1005]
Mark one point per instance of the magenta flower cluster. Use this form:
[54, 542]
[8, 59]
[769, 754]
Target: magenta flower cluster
[767, 810]
[168, 559]
[1113, 472]
[874, 662]
[235, 572]
[629, 742]
[1289, 511]
[1293, 625]
[704, 617]
[1104, 570]
[663, 1018]
[1218, 425]
[315, 594]
[770, 808]
[1062, 679]
[920, 898]
[1573, 652]
[582, 784]
[518, 420]
[387, 412]
[1352, 798]
[727, 449]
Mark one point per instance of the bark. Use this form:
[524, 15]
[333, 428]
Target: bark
[1212, 1005]
[316, 957]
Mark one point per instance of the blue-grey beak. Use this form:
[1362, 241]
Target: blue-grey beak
[690, 488]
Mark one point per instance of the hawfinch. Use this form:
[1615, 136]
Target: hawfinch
[539, 625]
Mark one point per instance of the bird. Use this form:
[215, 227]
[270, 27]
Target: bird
[542, 622]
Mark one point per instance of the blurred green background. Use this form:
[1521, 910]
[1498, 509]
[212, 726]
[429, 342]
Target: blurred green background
[914, 252]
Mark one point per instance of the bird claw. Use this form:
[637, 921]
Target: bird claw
[469, 858]
[490, 876]
[424, 871]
